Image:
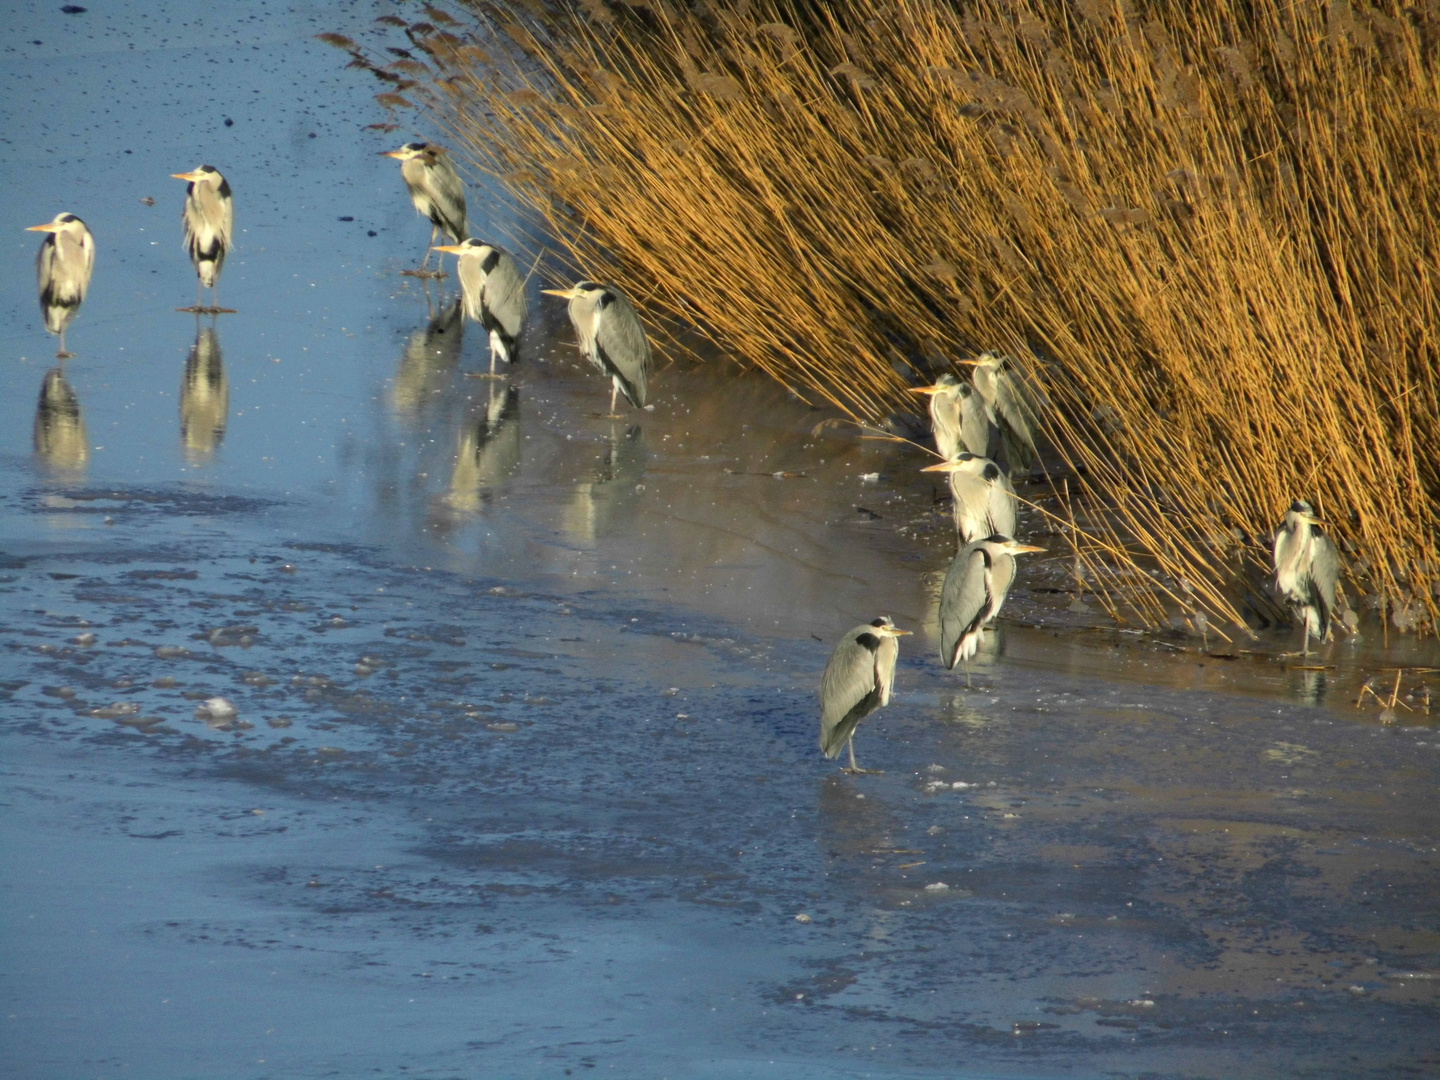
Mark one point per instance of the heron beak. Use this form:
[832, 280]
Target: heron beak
[392, 153]
[924, 389]
[190, 176]
[49, 226]
[944, 466]
[970, 363]
[449, 249]
[1027, 547]
[900, 633]
[568, 294]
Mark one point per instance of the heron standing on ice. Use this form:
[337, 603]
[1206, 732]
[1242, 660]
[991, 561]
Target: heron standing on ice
[612, 338]
[975, 588]
[436, 191]
[1307, 570]
[494, 294]
[62, 268]
[857, 681]
[209, 218]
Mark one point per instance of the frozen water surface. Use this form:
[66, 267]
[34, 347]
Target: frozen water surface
[365, 718]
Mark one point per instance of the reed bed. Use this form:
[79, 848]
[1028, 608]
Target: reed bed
[1210, 232]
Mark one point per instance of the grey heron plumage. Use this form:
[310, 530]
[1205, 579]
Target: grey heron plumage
[1307, 570]
[494, 292]
[611, 336]
[983, 499]
[974, 591]
[63, 266]
[435, 189]
[1014, 404]
[857, 681]
[960, 419]
[944, 413]
[209, 218]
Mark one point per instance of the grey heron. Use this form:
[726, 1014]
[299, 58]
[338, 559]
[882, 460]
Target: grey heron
[960, 418]
[857, 681]
[494, 294]
[436, 191]
[944, 413]
[62, 268]
[1307, 570]
[983, 499]
[204, 397]
[611, 337]
[209, 218]
[974, 591]
[1013, 403]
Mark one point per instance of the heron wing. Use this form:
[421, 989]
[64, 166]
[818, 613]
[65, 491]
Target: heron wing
[1017, 404]
[945, 422]
[447, 207]
[964, 600]
[997, 583]
[850, 689]
[504, 296]
[1001, 507]
[621, 345]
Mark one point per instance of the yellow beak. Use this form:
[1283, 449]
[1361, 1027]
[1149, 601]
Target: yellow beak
[49, 226]
[925, 389]
[568, 294]
[191, 176]
[451, 249]
[1028, 547]
[392, 153]
[972, 363]
[900, 633]
[944, 466]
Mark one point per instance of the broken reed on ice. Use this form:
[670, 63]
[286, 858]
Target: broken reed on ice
[1212, 229]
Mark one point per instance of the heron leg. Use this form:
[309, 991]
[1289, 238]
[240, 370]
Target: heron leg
[855, 769]
[434, 232]
[63, 354]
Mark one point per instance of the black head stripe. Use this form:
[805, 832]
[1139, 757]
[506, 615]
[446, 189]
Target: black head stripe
[992, 472]
[207, 168]
[224, 188]
[882, 621]
[68, 218]
[870, 641]
[416, 146]
[490, 261]
[606, 299]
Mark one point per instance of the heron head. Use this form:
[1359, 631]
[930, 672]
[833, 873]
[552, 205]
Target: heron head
[886, 628]
[961, 462]
[199, 173]
[1305, 512]
[61, 222]
[470, 245]
[581, 288]
[412, 150]
[1011, 545]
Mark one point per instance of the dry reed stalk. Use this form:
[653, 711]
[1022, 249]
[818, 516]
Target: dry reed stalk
[1212, 229]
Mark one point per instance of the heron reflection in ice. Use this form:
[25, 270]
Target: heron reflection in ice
[489, 447]
[612, 491]
[429, 362]
[60, 439]
[204, 397]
